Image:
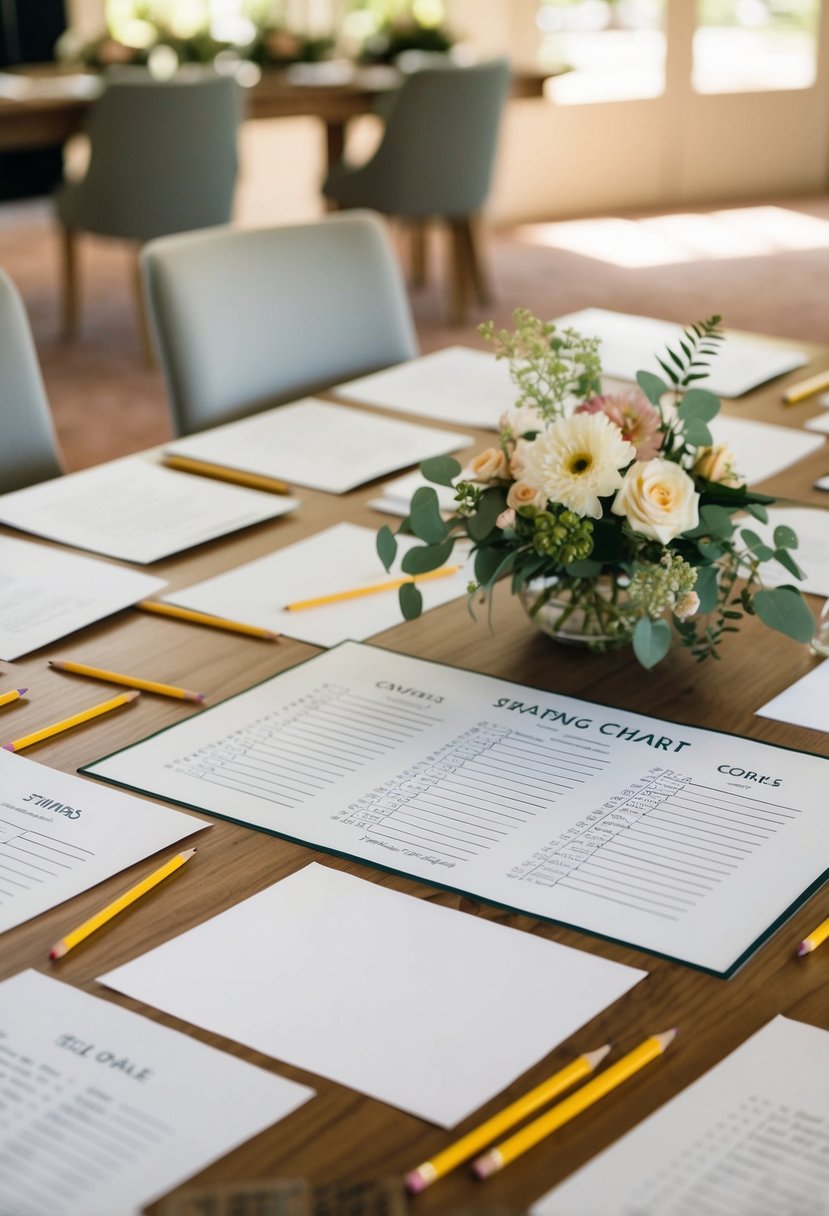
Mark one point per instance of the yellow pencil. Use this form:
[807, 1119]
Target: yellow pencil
[806, 388]
[129, 897]
[486, 1132]
[204, 618]
[254, 481]
[355, 593]
[114, 677]
[14, 695]
[815, 938]
[551, 1120]
[55, 729]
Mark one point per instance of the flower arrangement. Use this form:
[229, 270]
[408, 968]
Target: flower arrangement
[608, 512]
[405, 33]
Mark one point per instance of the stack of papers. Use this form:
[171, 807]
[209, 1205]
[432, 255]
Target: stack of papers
[316, 444]
[340, 559]
[460, 385]
[424, 1007]
[46, 594]
[136, 510]
[396, 496]
[630, 344]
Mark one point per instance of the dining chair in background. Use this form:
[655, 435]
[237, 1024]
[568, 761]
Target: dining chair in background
[162, 160]
[435, 161]
[254, 318]
[29, 450]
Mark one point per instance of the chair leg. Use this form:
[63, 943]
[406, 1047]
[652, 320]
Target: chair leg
[419, 253]
[470, 226]
[147, 348]
[70, 298]
[460, 273]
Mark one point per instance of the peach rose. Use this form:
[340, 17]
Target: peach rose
[523, 495]
[718, 464]
[658, 499]
[489, 465]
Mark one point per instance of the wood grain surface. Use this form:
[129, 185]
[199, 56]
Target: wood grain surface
[341, 1135]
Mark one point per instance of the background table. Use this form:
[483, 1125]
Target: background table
[341, 1135]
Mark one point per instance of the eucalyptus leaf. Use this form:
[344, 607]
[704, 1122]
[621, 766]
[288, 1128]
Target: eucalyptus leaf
[651, 641]
[785, 537]
[411, 601]
[757, 545]
[758, 511]
[698, 404]
[426, 557]
[784, 609]
[386, 546]
[697, 433]
[706, 588]
[487, 562]
[442, 470]
[654, 387]
[425, 519]
[483, 521]
[788, 563]
[717, 521]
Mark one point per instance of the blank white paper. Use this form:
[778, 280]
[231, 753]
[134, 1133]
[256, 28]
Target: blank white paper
[811, 554]
[461, 385]
[429, 1009]
[314, 443]
[60, 835]
[137, 510]
[819, 423]
[337, 559]
[630, 344]
[112, 1110]
[761, 449]
[749, 1138]
[46, 594]
[804, 703]
[396, 496]
[679, 840]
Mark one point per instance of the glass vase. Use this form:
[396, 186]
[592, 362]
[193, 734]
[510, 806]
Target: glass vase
[595, 614]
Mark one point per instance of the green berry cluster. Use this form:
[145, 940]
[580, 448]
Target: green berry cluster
[563, 536]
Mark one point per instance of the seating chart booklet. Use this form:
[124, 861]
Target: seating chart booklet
[46, 594]
[631, 344]
[60, 835]
[682, 841]
[335, 560]
[296, 970]
[459, 384]
[749, 1138]
[112, 1110]
[320, 445]
[136, 510]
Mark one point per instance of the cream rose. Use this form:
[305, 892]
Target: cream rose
[658, 499]
[523, 495]
[718, 464]
[489, 465]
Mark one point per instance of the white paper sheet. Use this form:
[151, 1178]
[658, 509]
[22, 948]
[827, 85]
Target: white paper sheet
[679, 840]
[630, 344]
[317, 444]
[60, 835]
[761, 449]
[337, 559]
[812, 553]
[137, 510]
[111, 1110]
[819, 423]
[804, 703]
[749, 1138]
[458, 384]
[399, 998]
[396, 496]
[46, 594]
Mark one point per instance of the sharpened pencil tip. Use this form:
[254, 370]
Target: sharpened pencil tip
[22, 691]
[8, 747]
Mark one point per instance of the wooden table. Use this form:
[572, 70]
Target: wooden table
[38, 122]
[341, 1135]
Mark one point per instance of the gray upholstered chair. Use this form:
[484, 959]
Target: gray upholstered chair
[28, 452]
[435, 160]
[249, 319]
[162, 160]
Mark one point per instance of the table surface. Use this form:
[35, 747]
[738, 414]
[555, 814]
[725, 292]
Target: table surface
[341, 1135]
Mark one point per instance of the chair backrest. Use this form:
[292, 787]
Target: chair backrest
[28, 451]
[163, 155]
[248, 319]
[438, 148]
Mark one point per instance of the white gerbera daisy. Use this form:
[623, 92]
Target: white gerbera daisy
[576, 461]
